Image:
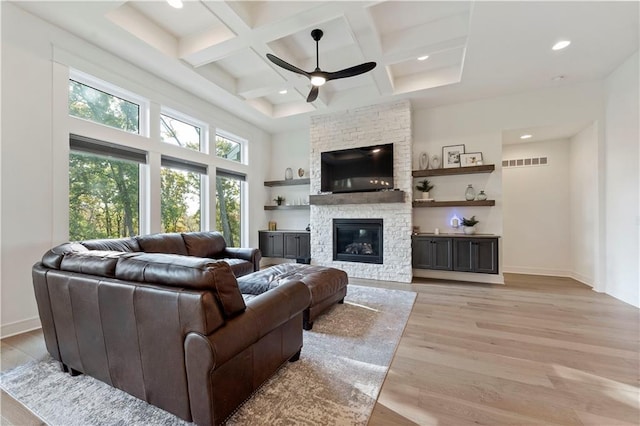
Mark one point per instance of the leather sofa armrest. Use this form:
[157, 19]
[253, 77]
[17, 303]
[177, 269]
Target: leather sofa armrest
[263, 314]
[205, 354]
[252, 255]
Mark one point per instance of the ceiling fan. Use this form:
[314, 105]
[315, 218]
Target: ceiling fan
[317, 76]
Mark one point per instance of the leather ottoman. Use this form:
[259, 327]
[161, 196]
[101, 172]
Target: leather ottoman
[327, 285]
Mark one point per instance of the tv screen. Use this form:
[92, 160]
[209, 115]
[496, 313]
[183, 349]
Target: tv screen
[368, 168]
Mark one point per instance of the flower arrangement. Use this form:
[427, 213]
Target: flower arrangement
[279, 199]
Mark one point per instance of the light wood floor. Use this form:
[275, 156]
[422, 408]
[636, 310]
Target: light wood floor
[538, 350]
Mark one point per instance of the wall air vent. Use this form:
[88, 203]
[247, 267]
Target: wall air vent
[525, 162]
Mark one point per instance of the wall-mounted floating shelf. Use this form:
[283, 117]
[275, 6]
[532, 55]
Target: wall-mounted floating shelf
[475, 203]
[299, 207]
[288, 182]
[485, 168]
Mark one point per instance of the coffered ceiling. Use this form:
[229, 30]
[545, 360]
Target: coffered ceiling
[217, 49]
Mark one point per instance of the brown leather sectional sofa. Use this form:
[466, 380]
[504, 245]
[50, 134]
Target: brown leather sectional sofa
[171, 329]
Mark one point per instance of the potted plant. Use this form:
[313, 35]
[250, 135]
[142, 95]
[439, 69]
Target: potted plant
[424, 187]
[279, 199]
[469, 225]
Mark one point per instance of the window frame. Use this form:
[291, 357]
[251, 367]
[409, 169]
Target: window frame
[177, 115]
[236, 139]
[118, 92]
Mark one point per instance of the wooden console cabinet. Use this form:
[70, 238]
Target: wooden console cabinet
[459, 253]
[286, 244]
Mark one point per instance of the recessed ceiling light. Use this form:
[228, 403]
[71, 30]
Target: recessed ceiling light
[561, 45]
[175, 3]
[422, 58]
[283, 92]
[525, 136]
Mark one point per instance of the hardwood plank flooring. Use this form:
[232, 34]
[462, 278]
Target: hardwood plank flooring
[536, 351]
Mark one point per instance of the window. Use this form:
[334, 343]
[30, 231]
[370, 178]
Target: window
[180, 133]
[181, 186]
[228, 148]
[104, 108]
[229, 189]
[104, 182]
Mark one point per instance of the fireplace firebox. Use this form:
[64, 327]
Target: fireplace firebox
[357, 240]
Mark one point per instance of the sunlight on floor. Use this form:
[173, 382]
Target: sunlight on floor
[621, 392]
[361, 306]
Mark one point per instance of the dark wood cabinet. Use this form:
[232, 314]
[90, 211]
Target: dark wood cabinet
[286, 244]
[432, 253]
[461, 254]
[271, 244]
[478, 255]
[297, 246]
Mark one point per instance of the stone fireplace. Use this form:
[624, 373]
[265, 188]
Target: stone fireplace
[358, 240]
[371, 125]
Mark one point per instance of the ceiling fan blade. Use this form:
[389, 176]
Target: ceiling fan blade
[313, 94]
[279, 62]
[350, 72]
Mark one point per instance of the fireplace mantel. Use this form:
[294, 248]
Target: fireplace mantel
[357, 198]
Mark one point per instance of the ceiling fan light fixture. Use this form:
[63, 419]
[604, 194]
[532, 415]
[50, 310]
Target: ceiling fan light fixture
[318, 80]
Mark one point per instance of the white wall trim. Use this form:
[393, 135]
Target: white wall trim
[19, 327]
[583, 279]
[537, 271]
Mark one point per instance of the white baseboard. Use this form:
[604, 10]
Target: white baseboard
[536, 271]
[19, 327]
[583, 279]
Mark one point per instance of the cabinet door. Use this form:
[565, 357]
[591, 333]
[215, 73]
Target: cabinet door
[431, 253]
[271, 244]
[291, 245]
[421, 253]
[476, 255]
[441, 254]
[463, 255]
[304, 246]
[264, 244]
[486, 258]
[277, 245]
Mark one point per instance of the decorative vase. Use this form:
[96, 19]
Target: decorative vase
[482, 196]
[425, 195]
[469, 230]
[470, 193]
[288, 174]
[424, 161]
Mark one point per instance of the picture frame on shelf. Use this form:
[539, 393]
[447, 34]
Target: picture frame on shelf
[451, 156]
[471, 159]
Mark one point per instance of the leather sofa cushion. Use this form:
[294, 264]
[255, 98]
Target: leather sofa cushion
[116, 244]
[184, 271]
[53, 257]
[204, 244]
[93, 262]
[163, 243]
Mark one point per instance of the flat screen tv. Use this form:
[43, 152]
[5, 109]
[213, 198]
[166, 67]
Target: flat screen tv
[368, 168]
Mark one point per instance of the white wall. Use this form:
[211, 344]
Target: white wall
[290, 149]
[584, 212]
[35, 63]
[537, 210]
[622, 275]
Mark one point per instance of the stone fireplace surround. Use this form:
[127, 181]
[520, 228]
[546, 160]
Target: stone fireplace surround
[371, 125]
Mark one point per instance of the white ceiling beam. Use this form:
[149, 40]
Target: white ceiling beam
[366, 36]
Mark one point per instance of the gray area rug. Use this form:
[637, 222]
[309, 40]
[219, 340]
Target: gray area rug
[336, 381]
